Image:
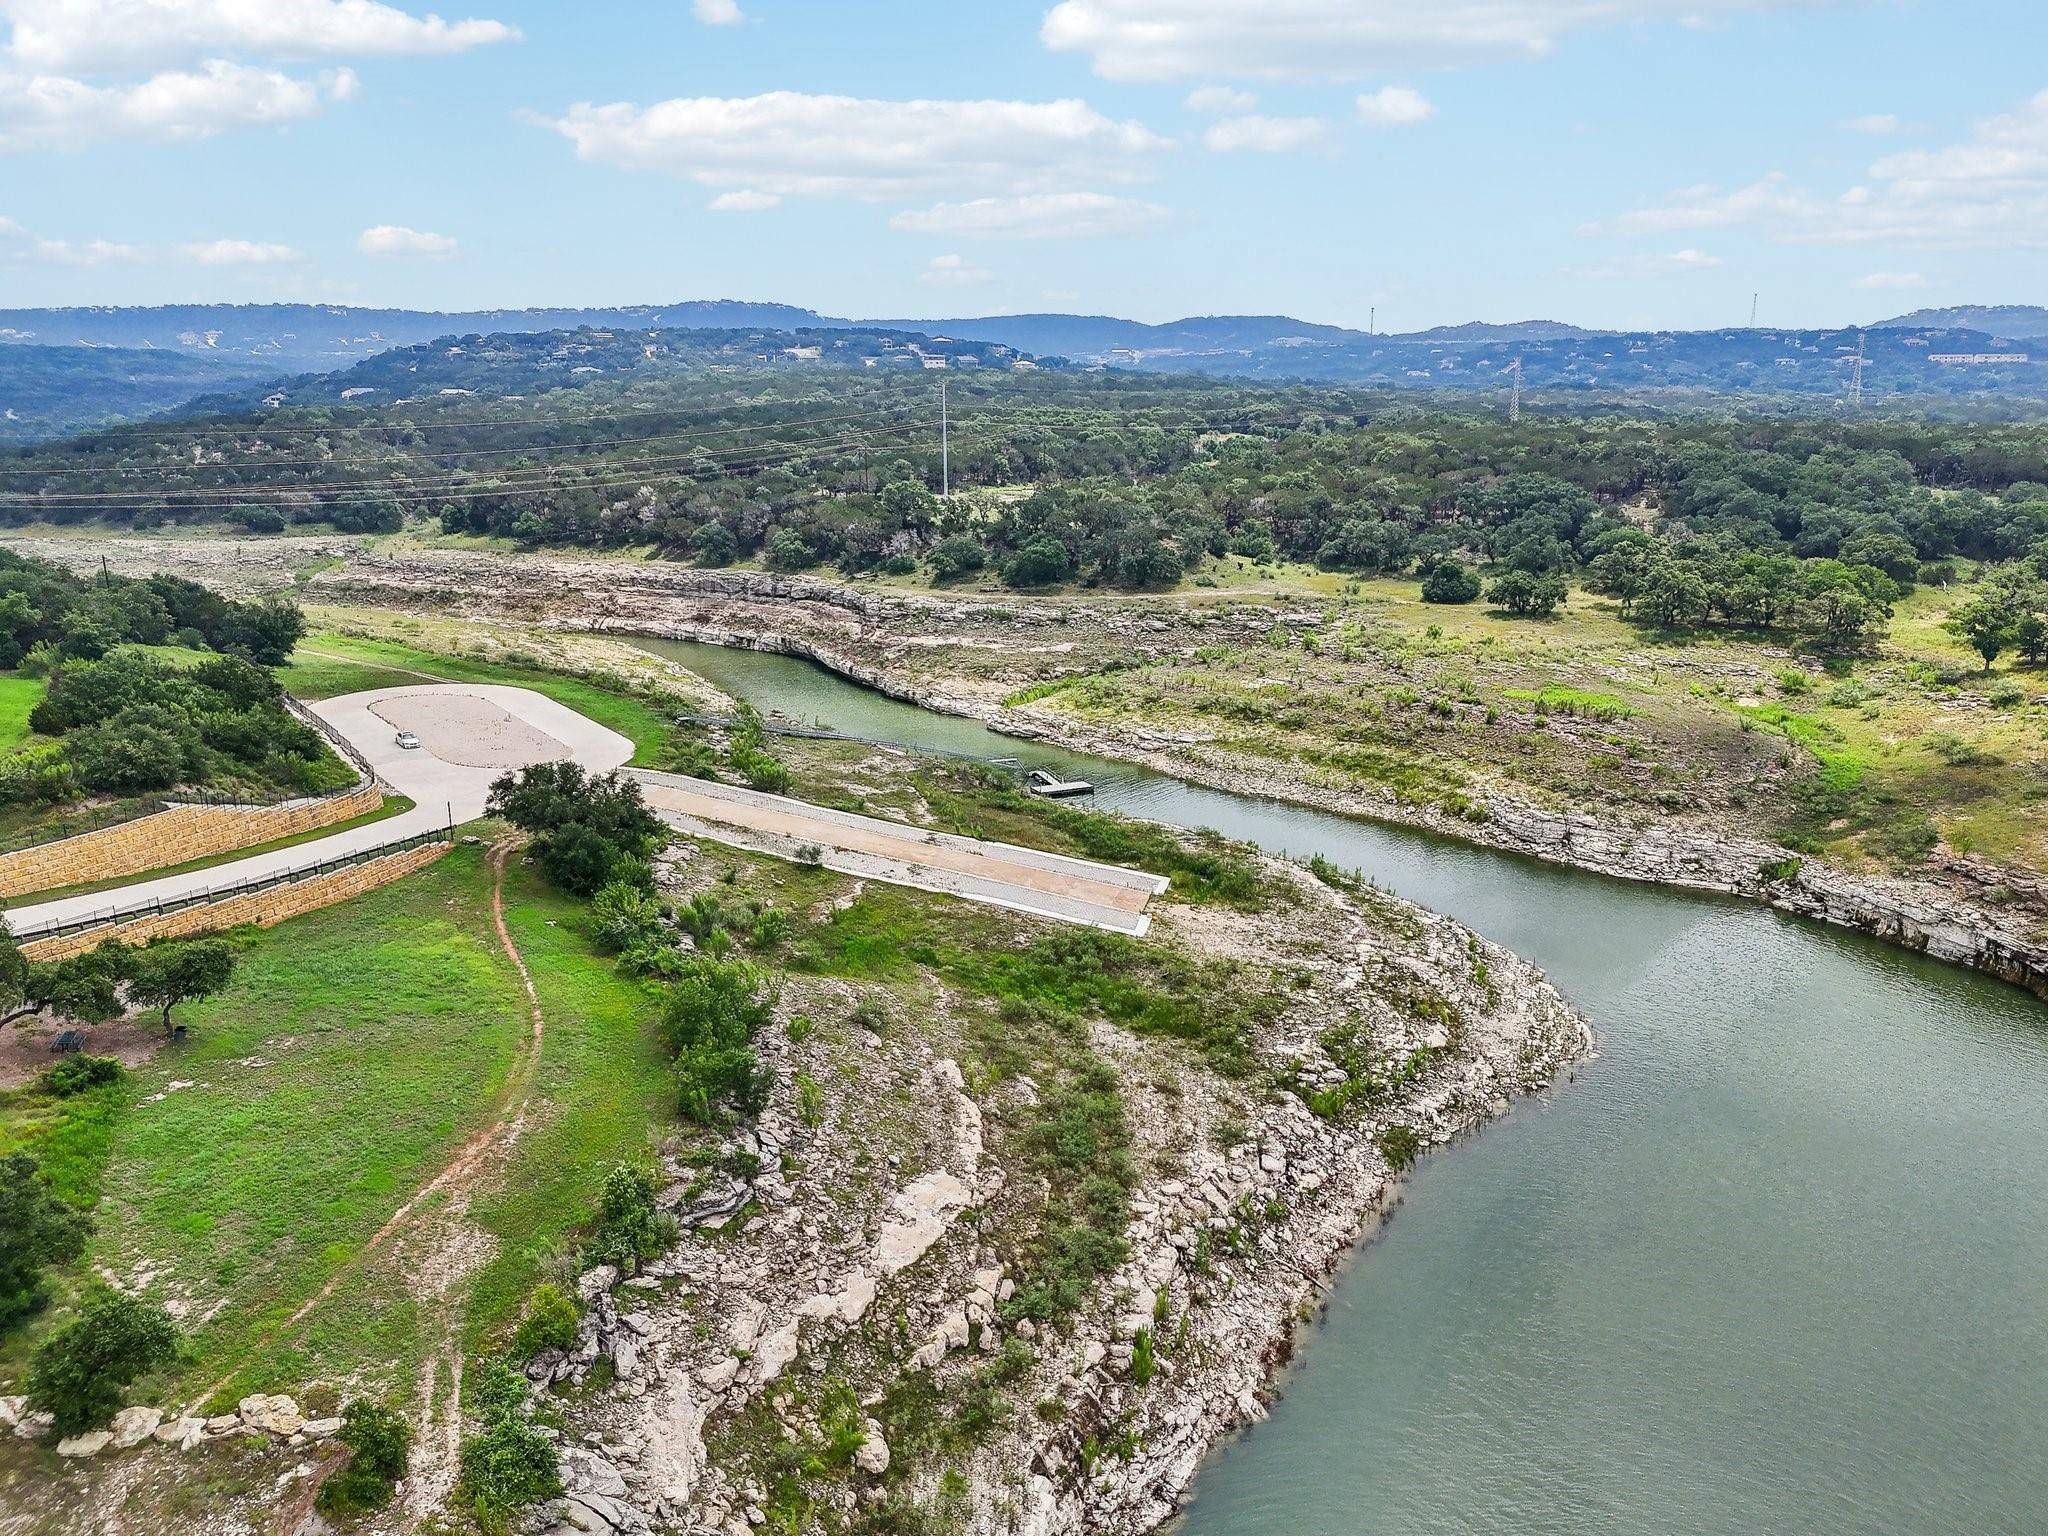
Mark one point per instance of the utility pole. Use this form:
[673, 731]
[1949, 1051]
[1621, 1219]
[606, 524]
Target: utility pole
[1752, 309]
[945, 446]
[1372, 323]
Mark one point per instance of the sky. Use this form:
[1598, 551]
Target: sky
[1628, 163]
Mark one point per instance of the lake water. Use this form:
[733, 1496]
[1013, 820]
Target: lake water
[1776, 1262]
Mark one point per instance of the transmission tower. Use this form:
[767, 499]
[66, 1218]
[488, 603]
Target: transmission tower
[1752, 309]
[1856, 374]
[1515, 390]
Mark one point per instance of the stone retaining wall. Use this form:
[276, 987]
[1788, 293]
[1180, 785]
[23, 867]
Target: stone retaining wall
[170, 837]
[263, 908]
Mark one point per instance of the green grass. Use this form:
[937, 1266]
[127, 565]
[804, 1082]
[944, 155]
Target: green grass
[1575, 701]
[394, 805]
[603, 1079]
[355, 1050]
[387, 664]
[18, 696]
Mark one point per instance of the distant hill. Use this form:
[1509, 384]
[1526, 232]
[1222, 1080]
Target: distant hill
[2018, 321]
[51, 391]
[1519, 330]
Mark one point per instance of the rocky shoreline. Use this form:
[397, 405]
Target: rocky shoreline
[1250, 1203]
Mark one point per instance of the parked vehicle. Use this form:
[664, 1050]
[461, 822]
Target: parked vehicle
[408, 741]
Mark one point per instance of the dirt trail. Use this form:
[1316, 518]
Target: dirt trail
[440, 1247]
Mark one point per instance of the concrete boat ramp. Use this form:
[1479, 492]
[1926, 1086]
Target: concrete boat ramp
[1000, 874]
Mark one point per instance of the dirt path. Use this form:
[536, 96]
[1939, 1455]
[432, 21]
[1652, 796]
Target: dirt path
[430, 1245]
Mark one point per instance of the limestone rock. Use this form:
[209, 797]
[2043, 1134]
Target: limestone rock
[33, 1426]
[89, 1444]
[320, 1429]
[873, 1455]
[181, 1434]
[277, 1415]
[132, 1426]
[11, 1410]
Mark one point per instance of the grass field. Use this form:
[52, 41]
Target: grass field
[18, 696]
[355, 1050]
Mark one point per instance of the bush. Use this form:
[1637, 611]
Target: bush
[623, 916]
[957, 556]
[630, 1229]
[80, 1375]
[505, 1467]
[37, 1230]
[550, 1322]
[587, 831]
[78, 1074]
[1400, 1146]
[713, 1014]
[379, 1443]
[1450, 581]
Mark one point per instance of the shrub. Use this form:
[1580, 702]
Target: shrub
[623, 916]
[550, 1322]
[1450, 581]
[37, 1230]
[81, 1373]
[379, 1442]
[507, 1465]
[630, 1229]
[587, 831]
[713, 1014]
[78, 1074]
[1400, 1146]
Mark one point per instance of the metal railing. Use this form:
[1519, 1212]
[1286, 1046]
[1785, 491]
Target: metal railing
[104, 917]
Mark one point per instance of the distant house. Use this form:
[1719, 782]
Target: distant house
[1975, 359]
[934, 362]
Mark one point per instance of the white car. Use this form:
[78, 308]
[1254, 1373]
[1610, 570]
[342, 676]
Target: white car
[408, 741]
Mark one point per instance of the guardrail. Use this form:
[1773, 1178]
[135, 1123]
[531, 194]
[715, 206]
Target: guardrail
[106, 917]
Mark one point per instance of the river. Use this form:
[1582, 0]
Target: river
[1777, 1261]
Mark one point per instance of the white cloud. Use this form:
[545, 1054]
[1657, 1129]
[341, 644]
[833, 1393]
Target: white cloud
[1215, 100]
[240, 253]
[18, 245]
[953, 272]
[745, 201]
[1989, 191]
[1891, 280]
[55, 112]
[1266, 135]
[1877, 124]
[797, 145]
[397, 240]
[1041, 216]
[1692, 258]
[1395, 106]
[1175, 39]
[87, 36]
[718, 13]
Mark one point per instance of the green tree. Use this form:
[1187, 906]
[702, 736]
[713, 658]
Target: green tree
[630, 1228]
[1450, 580]
[81, 1372]
[37, 1231]
[714, 1012]
[379, 1444]
[588, 832]
[165, 975]
[550, 1321]
[1527, 593]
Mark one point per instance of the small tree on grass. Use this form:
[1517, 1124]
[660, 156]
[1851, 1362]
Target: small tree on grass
[85, 988]
[713, 1014]
[507, 1464]
[587, 832]
[1527, 593]
[82, 1371]
[550, 1322]
[630, 1229]
[378, 1442]
[165, 975]
[1450, 580]
[37, 1230]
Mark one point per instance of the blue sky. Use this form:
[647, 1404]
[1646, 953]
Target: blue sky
[1614, 162]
